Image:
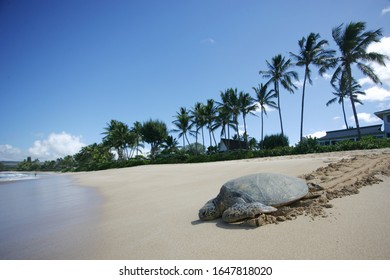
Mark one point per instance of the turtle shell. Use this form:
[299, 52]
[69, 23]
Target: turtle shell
[269, 188]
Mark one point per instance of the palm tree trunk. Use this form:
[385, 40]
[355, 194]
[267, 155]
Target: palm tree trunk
[228, 140]
[353, 103]
[188, 142]
[238, 133]
[203, 137]
[245, 134]
[303, 102]
[262, 129]
[215, 141]
[356, 117]
[196, 136]
[345, 117]
[211, 143]
[279, 109]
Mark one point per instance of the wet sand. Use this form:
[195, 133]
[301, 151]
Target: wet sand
[47, 218]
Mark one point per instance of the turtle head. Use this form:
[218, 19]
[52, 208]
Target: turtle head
[209, 211]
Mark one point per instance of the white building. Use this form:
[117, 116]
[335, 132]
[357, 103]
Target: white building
[385, 117]
[332, 137]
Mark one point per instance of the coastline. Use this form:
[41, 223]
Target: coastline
[49, 217]
[150, 212]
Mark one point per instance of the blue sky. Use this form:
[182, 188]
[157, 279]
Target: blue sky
[69, 67]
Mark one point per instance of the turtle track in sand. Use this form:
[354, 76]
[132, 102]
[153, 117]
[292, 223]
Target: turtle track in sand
[335, 180]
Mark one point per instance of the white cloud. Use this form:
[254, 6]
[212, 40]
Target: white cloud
[336, 118]
[299, 83]
[385, 10]
[317, 134]
[327, 76]
[383, 72]
[208, 41]
[365, 117]
[55, 146]
[8, 152]
[376, 93]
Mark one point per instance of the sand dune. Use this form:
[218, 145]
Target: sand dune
[151, 212]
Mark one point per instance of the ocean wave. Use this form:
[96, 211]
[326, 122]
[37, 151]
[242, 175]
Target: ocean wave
[16, 176]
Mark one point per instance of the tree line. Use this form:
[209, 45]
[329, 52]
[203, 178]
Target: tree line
[352, 41]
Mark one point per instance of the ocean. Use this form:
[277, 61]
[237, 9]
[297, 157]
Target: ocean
[46, 217]
[16, 176]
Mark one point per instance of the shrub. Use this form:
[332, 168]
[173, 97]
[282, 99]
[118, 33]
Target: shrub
[307, 145]
[274, 141]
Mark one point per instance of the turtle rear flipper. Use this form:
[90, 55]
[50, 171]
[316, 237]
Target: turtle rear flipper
[243, 211]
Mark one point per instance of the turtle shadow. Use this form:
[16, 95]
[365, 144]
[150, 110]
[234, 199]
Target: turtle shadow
[221, 224]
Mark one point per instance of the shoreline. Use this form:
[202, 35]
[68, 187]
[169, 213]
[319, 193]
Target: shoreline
[150, 212]
[49, 217]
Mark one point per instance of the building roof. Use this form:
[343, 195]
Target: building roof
[234, 144]
[352, 132]
[381, 114]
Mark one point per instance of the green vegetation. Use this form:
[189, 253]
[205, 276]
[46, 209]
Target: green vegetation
[274, 141]
[121, 144]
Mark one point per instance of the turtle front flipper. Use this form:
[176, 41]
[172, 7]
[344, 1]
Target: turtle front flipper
[243, 211]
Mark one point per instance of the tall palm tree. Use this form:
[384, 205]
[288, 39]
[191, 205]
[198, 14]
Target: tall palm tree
[224, 121]
[198, 120]
[341, 94]
[246, 106]
[231, 104]
[264, 98]
[352, 41]
[225, 116]
[210, 113]
[136, 130]
[183, 124]
[278, 74]
[312, 52]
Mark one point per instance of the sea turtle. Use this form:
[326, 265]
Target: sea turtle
[247, 197]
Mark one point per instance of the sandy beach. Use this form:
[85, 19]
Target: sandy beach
[151, 212]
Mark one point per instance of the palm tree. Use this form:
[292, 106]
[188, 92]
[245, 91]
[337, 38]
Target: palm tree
[264, 98]
[136, 130]
[234, 107]
[183, 124]
[225, 116]
[246, 106]
[198, 120]
[224, 121]
[231, 104]
[312, 52]
[118, 137]
[278, 74]
[170, 145]
[341, 94]
[352, 41]
[210, 113]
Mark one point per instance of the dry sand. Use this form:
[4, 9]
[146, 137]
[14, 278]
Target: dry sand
[151, 212]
